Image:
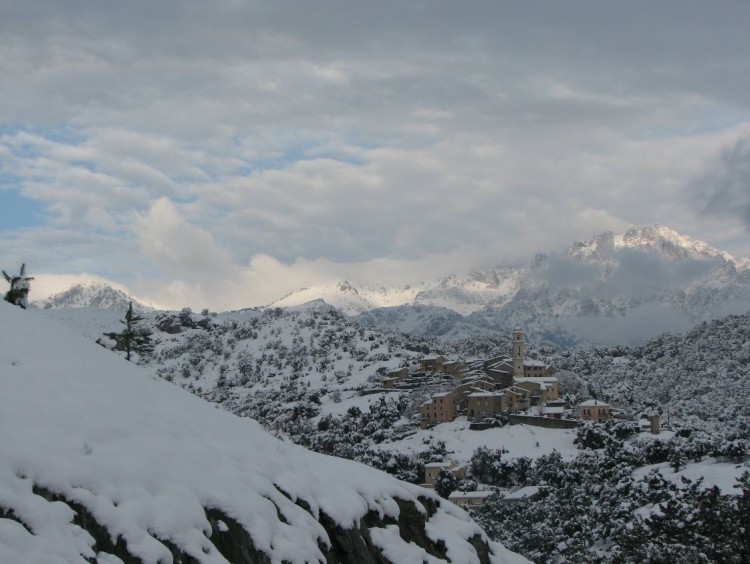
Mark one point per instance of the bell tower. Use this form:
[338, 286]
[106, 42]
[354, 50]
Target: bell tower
[519, 352]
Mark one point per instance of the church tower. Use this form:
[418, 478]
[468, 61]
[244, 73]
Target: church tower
[519, 352]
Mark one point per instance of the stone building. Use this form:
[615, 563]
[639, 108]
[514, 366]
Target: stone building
[482, 405]
[595, 410]
[440, 408]
[432, 471]
[523, 367]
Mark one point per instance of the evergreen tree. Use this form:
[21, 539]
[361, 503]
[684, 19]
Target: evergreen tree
[19, 288]
[132, 339]
[445, 484]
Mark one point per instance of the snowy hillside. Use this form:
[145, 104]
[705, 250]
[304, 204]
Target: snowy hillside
[699, 377]
[99, 461]
[93, 295]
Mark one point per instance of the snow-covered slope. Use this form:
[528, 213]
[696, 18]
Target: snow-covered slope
[101, 462]
[91, 294]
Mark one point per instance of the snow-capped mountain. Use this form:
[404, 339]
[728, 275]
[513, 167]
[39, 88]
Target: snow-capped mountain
[103, 463]
[612, 288]
[91, 294]
[657, 239]
[350, 298]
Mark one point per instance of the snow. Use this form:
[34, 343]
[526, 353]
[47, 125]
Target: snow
[522, 493]
[593, 403]
[145, 458]
[475, 494]
[537, 379]
[721, 474]
[461, 442]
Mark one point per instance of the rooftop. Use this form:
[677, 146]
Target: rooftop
[480, 493]
[523, 493]
[539, 379]
[593, 403]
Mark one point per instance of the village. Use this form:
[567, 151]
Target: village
[509, 389]
[489, 392]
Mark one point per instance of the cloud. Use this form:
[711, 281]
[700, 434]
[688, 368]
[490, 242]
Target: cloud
[639, 271]
[561, 271]
[641, 323]
[164, 139]
[179, 247]
[724, 191]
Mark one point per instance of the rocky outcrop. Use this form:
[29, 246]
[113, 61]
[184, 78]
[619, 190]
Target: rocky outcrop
[236, 545]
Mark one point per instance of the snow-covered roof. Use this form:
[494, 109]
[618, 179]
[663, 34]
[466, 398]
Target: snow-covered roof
[474, 494]
[483, 394]
[429, 358]
[439, 465]
[532, 362]
[522, 493]
[539, 379]
[442, 394]
[593, 403]
[553, 410]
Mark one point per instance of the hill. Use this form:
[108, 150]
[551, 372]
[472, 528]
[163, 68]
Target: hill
[101, 462]
[698, 377]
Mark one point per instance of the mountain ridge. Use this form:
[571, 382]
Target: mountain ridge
[92, 294]
[595, 292]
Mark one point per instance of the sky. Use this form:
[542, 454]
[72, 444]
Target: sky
[224, 154]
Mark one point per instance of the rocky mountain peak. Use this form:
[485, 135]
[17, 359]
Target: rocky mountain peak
[92, 294]
[657, 239]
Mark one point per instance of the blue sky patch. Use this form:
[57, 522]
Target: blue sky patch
[17, 212]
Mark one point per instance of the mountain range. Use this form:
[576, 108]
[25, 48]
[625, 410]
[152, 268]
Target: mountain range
[614, 288]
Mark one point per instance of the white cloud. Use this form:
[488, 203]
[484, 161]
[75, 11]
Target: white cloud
[171, 139]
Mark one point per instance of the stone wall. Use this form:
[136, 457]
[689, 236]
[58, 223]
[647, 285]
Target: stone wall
[538, 421]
